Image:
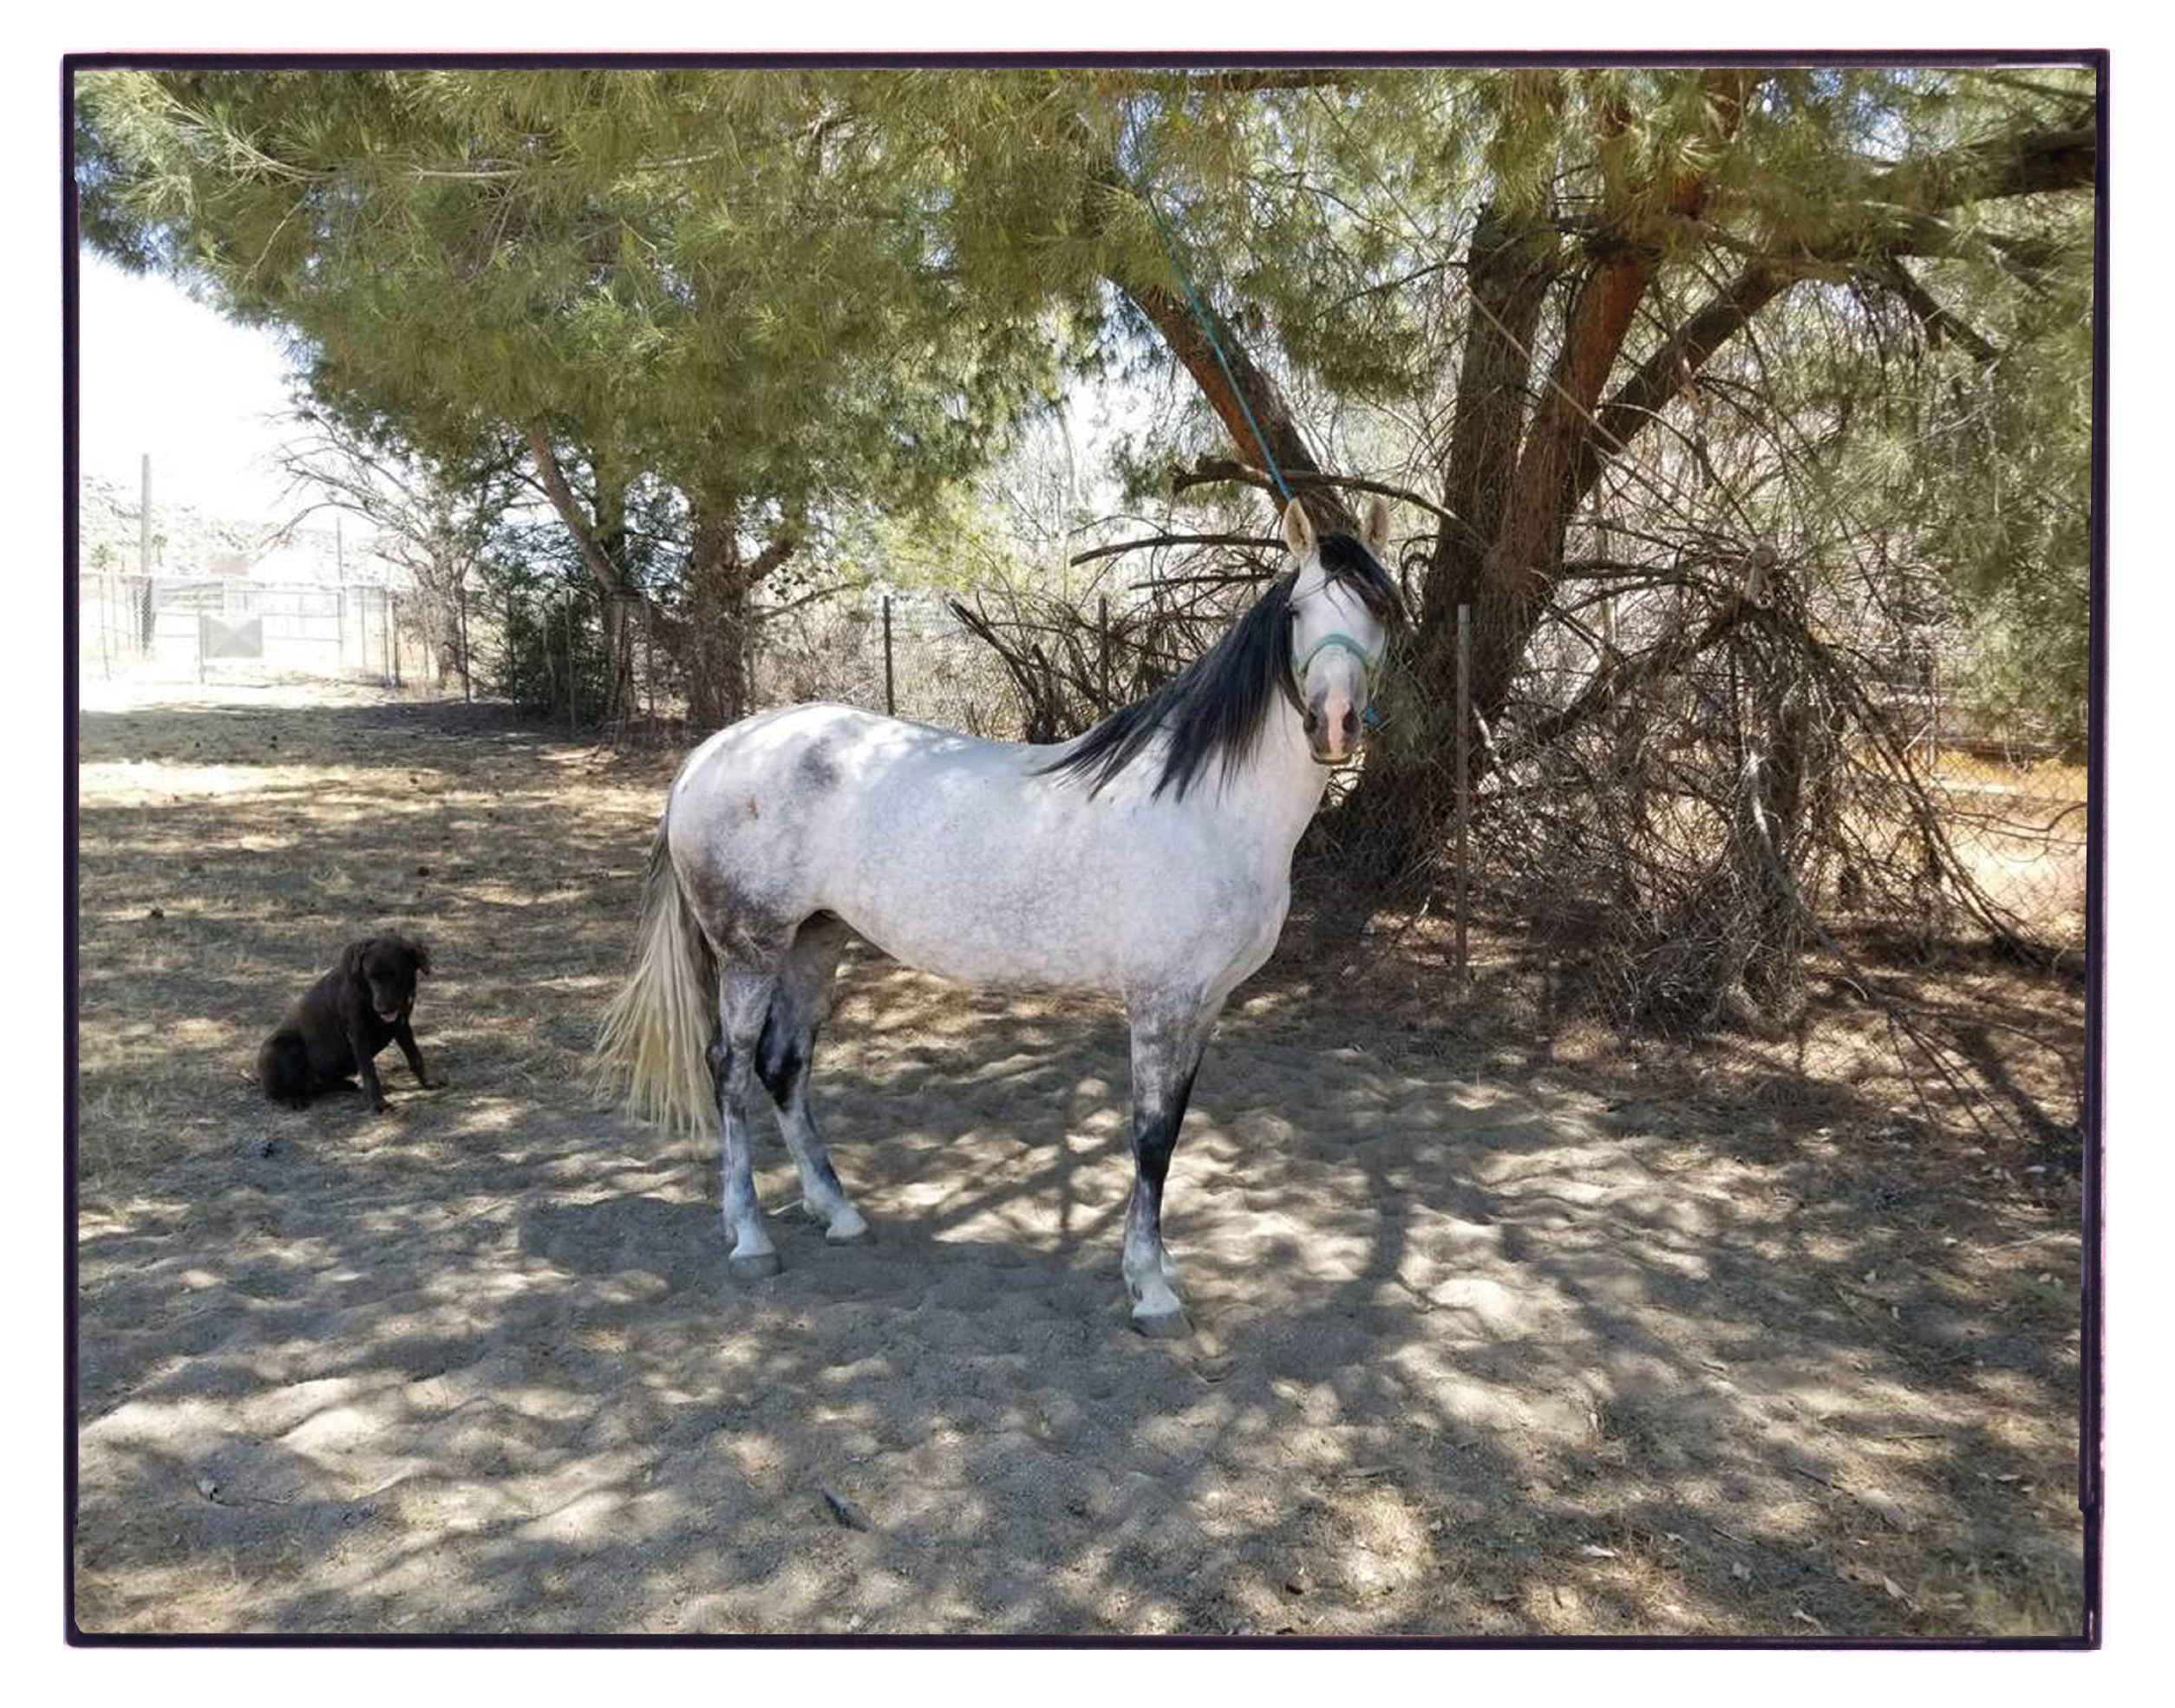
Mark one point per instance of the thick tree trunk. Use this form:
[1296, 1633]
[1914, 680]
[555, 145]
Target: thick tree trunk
[716, 655]
[1406, 793]
[717, 643]
[1526, 451]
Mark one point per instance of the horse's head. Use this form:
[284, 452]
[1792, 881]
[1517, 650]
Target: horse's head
[1344, 609]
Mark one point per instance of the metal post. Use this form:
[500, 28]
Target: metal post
[143, 542]
[1465, 774]
[467, 689]
[649, 662]
[385, 637]
[570, 661]
[105, 627]
[1102, 635]
[203, 623]
[890, 703]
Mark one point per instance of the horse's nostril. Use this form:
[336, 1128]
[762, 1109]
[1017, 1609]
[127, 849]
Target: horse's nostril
[1313, 720]
[1351, 726]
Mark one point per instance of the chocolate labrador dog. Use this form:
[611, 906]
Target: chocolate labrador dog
[344, 1020]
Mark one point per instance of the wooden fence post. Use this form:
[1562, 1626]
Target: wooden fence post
[468, 688]
[891, 702]
[649, 664]
[1102, 647]
[1465, 792]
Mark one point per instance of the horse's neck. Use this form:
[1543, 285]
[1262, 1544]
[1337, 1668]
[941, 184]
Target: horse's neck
[1280, 787]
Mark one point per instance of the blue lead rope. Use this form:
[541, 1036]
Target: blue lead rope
[1373, 719]
[1200, 314]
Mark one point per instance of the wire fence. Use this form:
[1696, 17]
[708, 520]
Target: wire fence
[208, 629]
[1684, 834]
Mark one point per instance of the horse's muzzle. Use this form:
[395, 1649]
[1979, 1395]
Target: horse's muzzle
[1333, 731]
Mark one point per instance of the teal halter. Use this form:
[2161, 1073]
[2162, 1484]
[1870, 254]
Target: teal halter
[1367, 668]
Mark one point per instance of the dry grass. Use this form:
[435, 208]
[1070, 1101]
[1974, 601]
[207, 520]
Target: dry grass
[1780, 1345]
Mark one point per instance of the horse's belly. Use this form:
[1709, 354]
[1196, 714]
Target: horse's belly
[998, 937]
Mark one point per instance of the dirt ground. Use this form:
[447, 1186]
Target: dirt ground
[1493, 1336]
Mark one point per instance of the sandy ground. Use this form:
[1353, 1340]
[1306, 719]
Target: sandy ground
[1484, 1344]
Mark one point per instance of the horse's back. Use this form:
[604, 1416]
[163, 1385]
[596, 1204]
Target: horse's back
[968, 858]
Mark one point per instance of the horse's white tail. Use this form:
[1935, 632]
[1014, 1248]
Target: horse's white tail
[658, 1030]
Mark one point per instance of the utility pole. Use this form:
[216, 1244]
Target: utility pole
[143, 546]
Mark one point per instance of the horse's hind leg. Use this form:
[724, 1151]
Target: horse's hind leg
[799, 1005]
[743, 998]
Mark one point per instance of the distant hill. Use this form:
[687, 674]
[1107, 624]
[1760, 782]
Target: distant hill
[187, 543]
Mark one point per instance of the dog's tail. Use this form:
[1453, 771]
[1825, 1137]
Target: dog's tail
[652, 1046]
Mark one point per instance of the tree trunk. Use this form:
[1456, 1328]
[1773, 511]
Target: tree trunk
[1406, 792]
[715, 652]
[1525, 452]
[716, 645]
[600, 539]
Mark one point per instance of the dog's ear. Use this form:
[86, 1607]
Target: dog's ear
[351, 959]
[422, 955]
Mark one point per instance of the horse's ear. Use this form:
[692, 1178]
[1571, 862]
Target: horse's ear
[1298, 531]
[1378, 528]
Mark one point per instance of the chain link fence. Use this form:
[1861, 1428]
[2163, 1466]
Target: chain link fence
[206, 629]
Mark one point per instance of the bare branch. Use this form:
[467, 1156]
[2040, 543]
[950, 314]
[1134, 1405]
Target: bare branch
[1213, 472]
[1151, 541]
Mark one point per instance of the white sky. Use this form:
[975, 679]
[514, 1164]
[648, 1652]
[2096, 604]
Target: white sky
[162, 374]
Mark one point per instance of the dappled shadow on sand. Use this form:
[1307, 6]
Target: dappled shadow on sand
[1475, 1352]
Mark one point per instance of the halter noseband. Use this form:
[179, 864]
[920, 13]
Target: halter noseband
[1367, 668]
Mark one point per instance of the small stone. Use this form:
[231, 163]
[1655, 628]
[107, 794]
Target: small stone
[156, 913]
[845, 1512]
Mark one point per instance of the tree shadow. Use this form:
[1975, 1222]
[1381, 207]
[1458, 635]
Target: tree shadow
[1483, 1346]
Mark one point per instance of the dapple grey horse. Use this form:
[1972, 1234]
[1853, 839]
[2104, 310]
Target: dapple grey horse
[1149, 859]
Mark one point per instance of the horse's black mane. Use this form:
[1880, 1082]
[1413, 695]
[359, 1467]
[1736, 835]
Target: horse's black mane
[1214, 710]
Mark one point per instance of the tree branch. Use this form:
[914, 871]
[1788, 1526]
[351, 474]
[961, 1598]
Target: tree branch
[1937, 321]
[1211, 470]
[602, 569]
[1151, 540]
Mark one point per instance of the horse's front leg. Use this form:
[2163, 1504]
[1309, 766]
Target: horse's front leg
[1167, 1040]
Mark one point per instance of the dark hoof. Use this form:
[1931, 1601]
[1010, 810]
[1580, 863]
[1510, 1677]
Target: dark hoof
[1168, 1326]
[763, 1263]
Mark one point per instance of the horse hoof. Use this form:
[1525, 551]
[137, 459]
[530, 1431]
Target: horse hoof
[1168, 1325]
[755, 1266]
[863, 1235]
